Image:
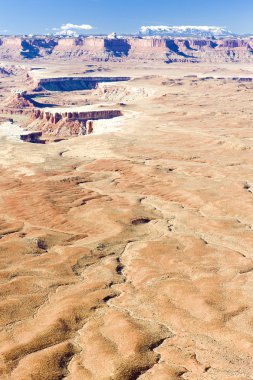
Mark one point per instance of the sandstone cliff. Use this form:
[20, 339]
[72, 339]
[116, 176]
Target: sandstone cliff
[64, 123]
[132, 48]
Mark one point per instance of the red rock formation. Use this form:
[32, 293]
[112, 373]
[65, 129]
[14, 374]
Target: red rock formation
[10, 48]
[69, 123]
[148, 49]
[84, 116]
[98, 48]
[12, 43]
[92, 48]
[18, 101]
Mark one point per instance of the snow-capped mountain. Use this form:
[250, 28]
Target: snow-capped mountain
[185, 31]
[67, 33]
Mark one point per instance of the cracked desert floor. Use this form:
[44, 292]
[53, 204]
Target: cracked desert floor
[128, 254]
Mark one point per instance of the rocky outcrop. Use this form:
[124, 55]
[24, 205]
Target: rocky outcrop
[17, 103]
[148, 49]
[10, 48]
[92, 48]
[68, 123]
[131, 48]
[98, 49]
[55, 117]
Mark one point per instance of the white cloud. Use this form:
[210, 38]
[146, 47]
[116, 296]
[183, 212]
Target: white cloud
[76, 26]
[71, 30]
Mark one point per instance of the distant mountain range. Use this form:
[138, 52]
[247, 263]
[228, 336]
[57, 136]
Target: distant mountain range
[185, 31]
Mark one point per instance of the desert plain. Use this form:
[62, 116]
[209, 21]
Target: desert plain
[128, 253]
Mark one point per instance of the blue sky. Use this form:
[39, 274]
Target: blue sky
[123, 16]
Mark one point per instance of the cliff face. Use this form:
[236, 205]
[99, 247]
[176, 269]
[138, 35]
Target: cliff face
[55, 117]
[12, 43]
[38, 47]
[92, 48]
[64, 124]
[74, 83]
[117, 47]
[148, 49]
[77, 47]
[102, 49]
[10, 48]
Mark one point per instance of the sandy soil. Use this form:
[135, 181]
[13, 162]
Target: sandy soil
[128, 255]
[10, 131]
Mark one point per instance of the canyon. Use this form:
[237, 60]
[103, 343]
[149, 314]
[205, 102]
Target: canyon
[126, 213]
[74, 83]
[46, 119]
[184, 49]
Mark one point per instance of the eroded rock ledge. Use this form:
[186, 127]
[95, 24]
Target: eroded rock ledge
[66, 123]
[130, 48]
[73, 83]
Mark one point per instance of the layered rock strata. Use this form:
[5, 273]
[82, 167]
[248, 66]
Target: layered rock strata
[130, 48]
[65, 124]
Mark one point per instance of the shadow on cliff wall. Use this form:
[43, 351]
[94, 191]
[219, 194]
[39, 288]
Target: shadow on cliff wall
[29, 51]
[174, 48]
[35, 103]
[75, 83]
[118, 47]
[69, 84]
[31, 48]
